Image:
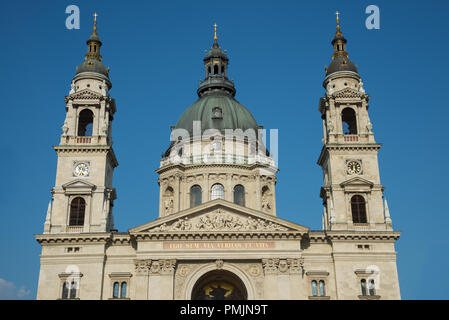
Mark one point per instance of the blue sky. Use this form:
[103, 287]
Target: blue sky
[278, 51]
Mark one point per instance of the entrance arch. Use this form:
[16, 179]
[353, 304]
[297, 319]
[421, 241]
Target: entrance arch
[219, 285]
[198, 274]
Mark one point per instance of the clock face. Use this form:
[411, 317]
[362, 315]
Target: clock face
[81, 170]
[353, 167]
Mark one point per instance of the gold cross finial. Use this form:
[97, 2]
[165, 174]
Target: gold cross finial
[338, 21]
[95, 17]
[215, 31]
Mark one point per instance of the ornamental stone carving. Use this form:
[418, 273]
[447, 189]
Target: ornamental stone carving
[348, 93]
[142, 266]
[296, 265]
[254, 270]
[219, 264]
[163, 266]
[282, 266]
[184, 270]
[270, 266]
[220, 221]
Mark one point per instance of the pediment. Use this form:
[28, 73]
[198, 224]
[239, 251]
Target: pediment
[85, 94]
[219, 216]
[78, 184]
[348, 93]
[357, 182]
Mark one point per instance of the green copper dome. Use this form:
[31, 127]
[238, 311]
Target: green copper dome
[217, 110]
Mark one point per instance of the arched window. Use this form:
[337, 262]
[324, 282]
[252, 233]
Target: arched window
[314, 292]
[349, 122]
[208, 70]
[195, 196]
[123, 290]
[358, 209]
[321, 283]
[371, 287]
[216, 69]
[77, 209]
[115, 290]
[239, 195]
[217, 192]
[363, 285]
[73, 288]
[85, 122]
[65, 290]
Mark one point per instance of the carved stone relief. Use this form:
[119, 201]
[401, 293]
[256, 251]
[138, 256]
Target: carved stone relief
[148, 266]
[219, 221]
[282, 266]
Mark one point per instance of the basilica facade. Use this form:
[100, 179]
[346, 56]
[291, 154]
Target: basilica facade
[218, 234]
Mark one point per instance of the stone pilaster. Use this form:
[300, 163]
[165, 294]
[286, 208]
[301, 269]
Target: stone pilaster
[161, 279]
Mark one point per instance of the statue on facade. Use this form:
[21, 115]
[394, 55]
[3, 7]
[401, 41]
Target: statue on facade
[361, 89]
[168, 205]
[329, 88]
[65, 128]
[72, 88]
[103, 88]
[266, 205]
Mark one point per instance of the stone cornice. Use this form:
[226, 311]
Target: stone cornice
[183, 167]
[214, 235]
[328, 236]
[71, 238]
[346, 147]
[88, 149]
[363, 235]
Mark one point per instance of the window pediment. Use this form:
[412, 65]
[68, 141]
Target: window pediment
[78, 187]
[357, 184]
[85, 94]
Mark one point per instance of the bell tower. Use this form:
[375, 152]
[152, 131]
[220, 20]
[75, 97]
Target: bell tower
[352, 192]
[83, 196]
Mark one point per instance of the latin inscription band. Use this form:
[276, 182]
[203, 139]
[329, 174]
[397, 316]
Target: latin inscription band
[218, 245]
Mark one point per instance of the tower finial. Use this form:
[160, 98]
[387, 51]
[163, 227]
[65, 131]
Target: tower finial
[215, 32]
[95, 22]
[338, 21]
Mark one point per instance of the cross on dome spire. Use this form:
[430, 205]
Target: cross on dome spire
[94, 43]
[215, 32]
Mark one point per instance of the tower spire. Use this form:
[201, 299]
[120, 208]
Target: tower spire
[216, 69]
[339, 41]
[215, 32]
[94, 43]
[338, 21]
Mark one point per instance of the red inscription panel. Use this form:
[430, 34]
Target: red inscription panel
[218, 245]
